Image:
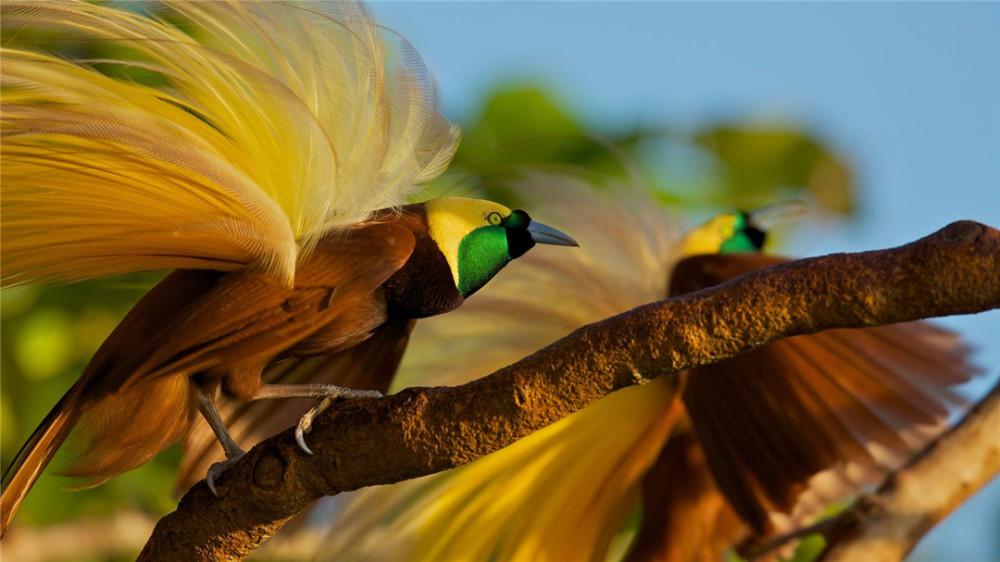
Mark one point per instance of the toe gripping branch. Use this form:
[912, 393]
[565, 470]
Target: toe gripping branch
[326, 393]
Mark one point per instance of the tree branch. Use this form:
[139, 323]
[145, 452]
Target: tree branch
[421, 431]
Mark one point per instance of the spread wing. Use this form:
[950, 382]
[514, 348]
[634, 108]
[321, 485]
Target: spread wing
[202, 134]
[370, 365]
[852, 402]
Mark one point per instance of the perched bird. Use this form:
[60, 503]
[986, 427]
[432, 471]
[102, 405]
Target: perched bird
[264, 156]
[684, 468]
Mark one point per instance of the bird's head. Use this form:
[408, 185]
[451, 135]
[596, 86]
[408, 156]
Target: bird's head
[478, 238]
[738, 232]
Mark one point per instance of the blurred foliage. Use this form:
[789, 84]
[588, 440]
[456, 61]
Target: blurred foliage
[758, 162]
[714, 168]
[48, 334]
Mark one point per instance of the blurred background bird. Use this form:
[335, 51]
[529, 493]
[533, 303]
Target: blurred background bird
[257, 167]
[683, 468]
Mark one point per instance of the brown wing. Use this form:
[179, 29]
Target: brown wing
[118, 356]
[249, 316]
[848, 403]
[772, 418]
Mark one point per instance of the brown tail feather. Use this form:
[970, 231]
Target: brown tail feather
[33, 457]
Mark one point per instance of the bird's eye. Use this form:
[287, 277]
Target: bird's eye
[494, 218]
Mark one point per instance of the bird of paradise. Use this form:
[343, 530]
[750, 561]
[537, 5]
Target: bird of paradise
[266, 158]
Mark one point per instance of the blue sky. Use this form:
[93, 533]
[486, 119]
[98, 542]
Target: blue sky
[910, 91]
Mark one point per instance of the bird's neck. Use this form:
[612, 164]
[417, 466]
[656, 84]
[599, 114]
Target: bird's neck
[424, 286]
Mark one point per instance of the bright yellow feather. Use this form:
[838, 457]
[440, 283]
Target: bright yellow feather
[269, 123]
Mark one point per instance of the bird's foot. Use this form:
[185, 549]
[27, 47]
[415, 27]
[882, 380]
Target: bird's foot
[305, 422]
[217, 469]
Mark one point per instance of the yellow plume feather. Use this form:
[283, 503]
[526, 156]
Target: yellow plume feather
[265, 125]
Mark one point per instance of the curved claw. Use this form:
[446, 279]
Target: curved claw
[218, 469]
[300, 438]
[210, 480]
[305, 422]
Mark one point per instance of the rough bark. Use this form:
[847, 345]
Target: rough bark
[421, 431]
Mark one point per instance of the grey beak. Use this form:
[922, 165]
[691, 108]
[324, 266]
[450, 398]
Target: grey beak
[543, 234]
